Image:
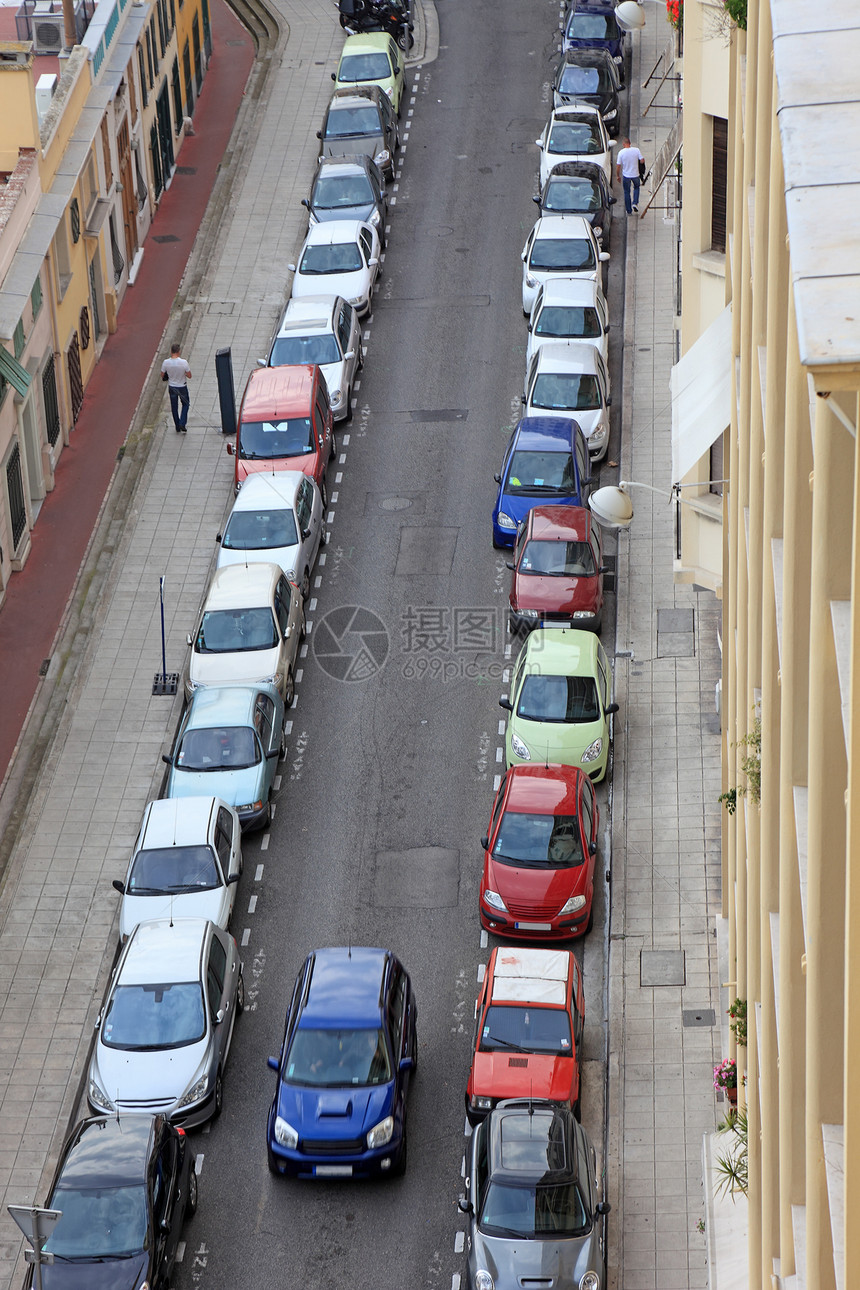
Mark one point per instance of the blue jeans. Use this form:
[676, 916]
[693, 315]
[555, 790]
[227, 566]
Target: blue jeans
[179, 401]
[626, 182]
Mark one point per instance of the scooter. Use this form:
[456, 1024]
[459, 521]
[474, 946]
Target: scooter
[377, 15]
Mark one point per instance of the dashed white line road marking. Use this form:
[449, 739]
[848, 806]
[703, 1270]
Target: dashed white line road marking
[276, 783]
[393, 201]
[463, 1167]
[303, 652]
[180, 1252]
[264, 845]
[198, 1164]
[288, 727]
[455, 1281]
[482, 967]
[321, 560]
[341, 459]
[395, 188]
[507, 651]
[345, 441]
[499, 754]
[329, 519]
[258, 873]
[309, 626]
[246, 936]
[334, 499]
[411, 110]
[299, 675]
[459, 1242]
[252, 905]
[506, 675]
[312, 606]
[338, 479]
[502, 726]
[497, 779]
[484, 943]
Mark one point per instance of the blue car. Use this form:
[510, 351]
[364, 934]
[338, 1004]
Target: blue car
[229, 744]
[591, 24]
[349, 1050]
[546, 462]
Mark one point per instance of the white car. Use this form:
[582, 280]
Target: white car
[252, 622]
[575, 134]
[186, 862]
[277, 519]
[323, 330]
[569, 309]
[559, 246]
[338, 258]
[570, 378]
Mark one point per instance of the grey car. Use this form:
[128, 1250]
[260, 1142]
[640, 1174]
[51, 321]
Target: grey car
[532, 1199]
[349, 188]
[361, 120]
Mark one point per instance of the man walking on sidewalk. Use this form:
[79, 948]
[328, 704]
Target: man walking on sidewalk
[630, 167]
[177, 373]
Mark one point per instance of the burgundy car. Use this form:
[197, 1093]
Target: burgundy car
[539, 855]
[557, 570]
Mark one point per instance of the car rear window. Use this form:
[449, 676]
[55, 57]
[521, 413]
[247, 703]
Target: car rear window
[593, 26]
[538, 841]
[570, 322]
[304, 349]
[551, 559]
[563, 699]
[260, 530]
[569, 253]
[527, 1029]
[270, 439]
[566, 392]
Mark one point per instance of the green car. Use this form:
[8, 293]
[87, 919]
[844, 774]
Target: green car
[373, 58]
[560, 702]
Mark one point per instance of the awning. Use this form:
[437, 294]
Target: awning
[701, 385]
[17, 376]
[665, 160]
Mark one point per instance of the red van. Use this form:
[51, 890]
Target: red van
[285, 423]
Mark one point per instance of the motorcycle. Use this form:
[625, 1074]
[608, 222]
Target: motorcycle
[358, 16]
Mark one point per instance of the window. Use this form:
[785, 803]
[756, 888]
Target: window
[153, 44]
[52, 406]
[282, 605]
[264, 716]
[177, 95]
[106, 153]
[344, 326]
[216, 973]
[715, 471]
[719, 183]
[62, 258]
[18, 338]
[150, 77]
[75, 219]
[159, 12]
[397, 1010]
[224, 839]
[36, 297]
[15, 489]
[142, 70]
[189, 84]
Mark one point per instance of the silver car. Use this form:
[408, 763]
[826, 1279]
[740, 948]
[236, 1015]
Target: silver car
[165, 1029]
[275, 519]
[532, 1198]
[323, 330]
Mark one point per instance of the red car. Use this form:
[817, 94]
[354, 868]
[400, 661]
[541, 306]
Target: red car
[558, 570]
[538, 879]
[285, 423]
[528, 1039]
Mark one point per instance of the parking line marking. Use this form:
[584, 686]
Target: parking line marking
[309, 625]
[246, 936]
[497, 779]
[499, 754]
[303, 652]
[329, 519]
[313, 604]
[345, 441]
[482, 967]
[484, 942]
[288, 727]
[334, 497]
[180, 1252]
[506, 675]
[393, 201]
[252, 905]
[299, 674]
[321, 560]
[395, 188]
[264, 845]
[198, 1163]
[258, 873]
[459, 1242]
[411, 110]
[502, 726]
[455, 1281]
[341, 459]
[338, 479]
[507, 651]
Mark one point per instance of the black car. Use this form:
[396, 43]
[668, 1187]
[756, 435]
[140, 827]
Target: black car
[361, 119]
[591, 24]
[589, 76]
[349, 188]
[124, 1186]
[579, 188]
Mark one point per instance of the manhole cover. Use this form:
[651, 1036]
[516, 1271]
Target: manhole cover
[396, 503]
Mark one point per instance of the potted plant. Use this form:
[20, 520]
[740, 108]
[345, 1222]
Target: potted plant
[726, 1078]
[738, 1021]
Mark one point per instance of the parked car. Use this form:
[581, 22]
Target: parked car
[589, 76]
[558, 571]
[579, 188]
[539, 856]
[186, 863]
[569, 309]
[230, 741]
[322, 331]
[276, 519]
[349, 188]
[372, 58]
[124, 1186]
[532, 1196]
[252, 623]
[361, 119]
[348, 1053]
[166, 1025]
[285, 423]
[340, 257]
[546, 461]
[575, 134]
[559, 246]
[571, 377]
[532, 1005]
[591, 24]
[560, 705]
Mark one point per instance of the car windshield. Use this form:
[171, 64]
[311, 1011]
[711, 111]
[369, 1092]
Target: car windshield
[538, 841]
[540, 472]
[236, 631]
[552, 559]
[575, 138]
[571, 322]
[593, 26]
[342, 257]
[573, 194]
[353, 123]
[566, 392]
[260, 530]
[334, 191]
[268, 440]
[559, 699]
[165, 870]
[304, 349]
[219, 748]
[364, 67]
[551, 1210]
[98, 1222]
[567, 253]
[143, 1018]
[533, 1030]
[584, 80]
[331, 1058]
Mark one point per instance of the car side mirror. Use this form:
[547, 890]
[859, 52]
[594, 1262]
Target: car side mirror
[334, 77]
[232, 878]
[306, 203]
[188, 640]
[229, 450]
[529, 328]
[497, 478]
[613, 707]
[539, 143]
[261, 362]
[592, 849]
[604, 568]
[270, 756]
[464, 1205]
[288, 631]
[372, 262]
[536, 201]
[168, 760]
[612, 201]
[485, 842]
[219, 1016]
[273, 1064]
[164, 1226]
[118, 886]
[509, 564]
[292, 268]
[604, 256]
[603, 1207]
[319, 134]
[406, 1064]
[506, 704]
[218, 537]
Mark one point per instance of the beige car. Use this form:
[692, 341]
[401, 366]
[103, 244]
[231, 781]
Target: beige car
[252, 623]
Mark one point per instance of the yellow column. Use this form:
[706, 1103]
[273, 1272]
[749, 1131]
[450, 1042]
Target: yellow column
[852, 916]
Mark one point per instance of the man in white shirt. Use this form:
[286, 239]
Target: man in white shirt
[627, 168]
[177, 373]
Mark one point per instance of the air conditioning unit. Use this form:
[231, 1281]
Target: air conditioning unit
[48, 29]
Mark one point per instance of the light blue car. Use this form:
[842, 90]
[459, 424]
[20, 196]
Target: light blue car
[229, 744]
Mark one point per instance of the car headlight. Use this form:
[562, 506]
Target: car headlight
[531, 281]
[192, 685]
[483, 1280]
[582, 613]
[572, 905]
[374, 218]
[590, 1281]
[285, 1134]
[597, 230]
[356, 300]
[505, 522]
[195, 1093]
[617, 59]
[495, 901]
[382, 158]
[335, 398]
[390, 92]
[98, 1098]
[481, 1103]
[593, 751]
[598, 434]
[518, 747]
[250, 806]
[381, 1133]
[610, 116]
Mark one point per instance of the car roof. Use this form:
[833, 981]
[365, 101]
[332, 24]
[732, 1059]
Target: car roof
[592, 6]
[355, 161]
[560, 523]
[164, 949]
[553, 434]
[240, 586]
[277, 491]
[530, 1142]
[569, 355]
[366, 40]
[309, 313]
[178, 822]
[562, 652]
[341, 98]
[588, 57]
[225, 705]
[345, 988]
[544, 790]
[575, 111]
[531, 976]
[561, 226]
[570, 291]
[272, 392]
[105, 1150]
[334, 232]
[578, 170]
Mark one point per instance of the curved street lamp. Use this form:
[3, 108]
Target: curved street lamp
[611, 505]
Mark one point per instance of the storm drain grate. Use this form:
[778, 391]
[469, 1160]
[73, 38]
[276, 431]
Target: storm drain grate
[698, 1017]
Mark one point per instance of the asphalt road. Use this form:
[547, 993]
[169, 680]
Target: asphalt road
[389, 778]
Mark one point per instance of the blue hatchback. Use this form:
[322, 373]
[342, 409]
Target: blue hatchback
[591, 24]
[349, 1049]
[546, 462]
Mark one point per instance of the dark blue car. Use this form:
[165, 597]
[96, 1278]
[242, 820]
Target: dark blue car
[349, 1049]
[546, 462]
[591, 24]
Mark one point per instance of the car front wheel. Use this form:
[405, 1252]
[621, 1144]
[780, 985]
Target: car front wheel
[240, 995]
[219, 1095]
[400, 1167]
[191, 1202]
